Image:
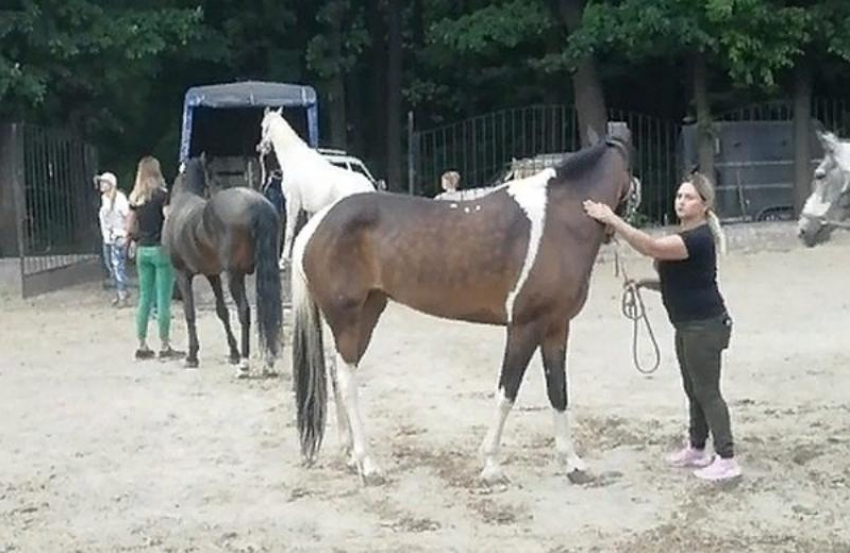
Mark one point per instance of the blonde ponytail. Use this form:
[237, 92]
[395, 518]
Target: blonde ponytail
[716, 231]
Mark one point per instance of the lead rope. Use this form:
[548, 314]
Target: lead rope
[262, 159]
[633, 308]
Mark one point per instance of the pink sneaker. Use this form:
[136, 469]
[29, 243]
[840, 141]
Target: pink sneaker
[689, 457]
[720, 469]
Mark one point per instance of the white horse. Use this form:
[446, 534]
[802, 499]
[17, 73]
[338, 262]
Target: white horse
[828, 206]
[310, 182]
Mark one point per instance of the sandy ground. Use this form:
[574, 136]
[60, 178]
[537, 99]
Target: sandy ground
[99, 452]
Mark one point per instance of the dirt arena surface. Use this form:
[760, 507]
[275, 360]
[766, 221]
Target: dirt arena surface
[99, 452]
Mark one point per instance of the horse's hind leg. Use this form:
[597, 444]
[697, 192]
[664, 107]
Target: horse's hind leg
[521, 343]
[184, 284]
[237, 290]
[224, 315]
[553, 350]
[369, 314]
[353, 327]
[343, 425]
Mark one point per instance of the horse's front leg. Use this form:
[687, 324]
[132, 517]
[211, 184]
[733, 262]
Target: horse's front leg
[554, 353]
[224, 315]
[521, 343]
[184, 283]
[293, 207]
[237, 290]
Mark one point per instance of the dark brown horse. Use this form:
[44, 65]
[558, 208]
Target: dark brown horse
[235, 232]
[520, 257]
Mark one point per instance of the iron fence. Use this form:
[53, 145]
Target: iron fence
[49, 191]
[486, 148]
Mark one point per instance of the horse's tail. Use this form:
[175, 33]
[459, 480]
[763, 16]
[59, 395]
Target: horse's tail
[266, 229]
[308, 355]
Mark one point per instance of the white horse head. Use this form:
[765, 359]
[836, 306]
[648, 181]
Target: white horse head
[275, 127]
[830, 198]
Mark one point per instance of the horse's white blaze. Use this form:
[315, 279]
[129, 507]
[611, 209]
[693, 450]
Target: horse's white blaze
[815, 206]
[530, 195]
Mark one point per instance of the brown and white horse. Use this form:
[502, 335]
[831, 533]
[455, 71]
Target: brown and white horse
[520, 257]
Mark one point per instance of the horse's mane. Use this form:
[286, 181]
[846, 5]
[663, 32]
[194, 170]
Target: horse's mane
[291, 135]
[579, 163]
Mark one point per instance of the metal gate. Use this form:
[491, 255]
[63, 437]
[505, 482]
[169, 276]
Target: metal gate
[482, 149]
[48, 205]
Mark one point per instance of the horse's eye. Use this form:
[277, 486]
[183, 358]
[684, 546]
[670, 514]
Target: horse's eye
[820, 173]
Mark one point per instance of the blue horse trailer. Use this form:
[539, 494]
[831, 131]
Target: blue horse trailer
[223, 121]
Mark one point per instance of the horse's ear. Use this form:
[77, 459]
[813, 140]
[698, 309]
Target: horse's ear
[279, 111]
[266, 111]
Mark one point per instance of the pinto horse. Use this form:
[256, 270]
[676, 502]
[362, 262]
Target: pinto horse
[310, 182]
[520, 257]
[235, 231]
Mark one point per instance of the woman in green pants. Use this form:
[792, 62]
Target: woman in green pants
[156, 276]
[687, 270]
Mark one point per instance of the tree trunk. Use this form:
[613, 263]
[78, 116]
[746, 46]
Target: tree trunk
[587, 88]
[705, 133]
[336, 101]
[802, 128]
[336, 93]
[376, 128]
[394, 115]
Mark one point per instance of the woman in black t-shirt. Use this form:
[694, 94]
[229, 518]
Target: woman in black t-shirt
[156, 276]
[687, 270]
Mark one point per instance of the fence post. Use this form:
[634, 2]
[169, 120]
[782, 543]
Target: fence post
[411, 145]
[16, 174]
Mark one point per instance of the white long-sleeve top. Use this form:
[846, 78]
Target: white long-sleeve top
[113, 216]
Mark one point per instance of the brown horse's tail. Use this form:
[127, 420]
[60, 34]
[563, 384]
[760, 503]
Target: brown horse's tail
[308, 358]
[269, 307]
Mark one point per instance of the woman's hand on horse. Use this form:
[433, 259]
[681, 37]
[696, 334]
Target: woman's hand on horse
[599, 211]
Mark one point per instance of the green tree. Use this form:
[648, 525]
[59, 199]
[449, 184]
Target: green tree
[751, 40]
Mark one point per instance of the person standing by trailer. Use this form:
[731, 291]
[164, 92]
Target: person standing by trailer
[113, 216]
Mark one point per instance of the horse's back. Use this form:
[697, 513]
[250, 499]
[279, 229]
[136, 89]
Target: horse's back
[239, 206]
[418, 251]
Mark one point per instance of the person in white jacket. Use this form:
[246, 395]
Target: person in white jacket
[113, 215]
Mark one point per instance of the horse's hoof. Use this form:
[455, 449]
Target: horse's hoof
[270, 373]
[492, 475]
[234, 359]
[190, 363]
[375, 477]
[580, 477]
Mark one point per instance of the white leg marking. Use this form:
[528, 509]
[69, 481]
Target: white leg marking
[492, 471]
[564, 443]
[530, 195]
[348, 391]
[343, 426]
